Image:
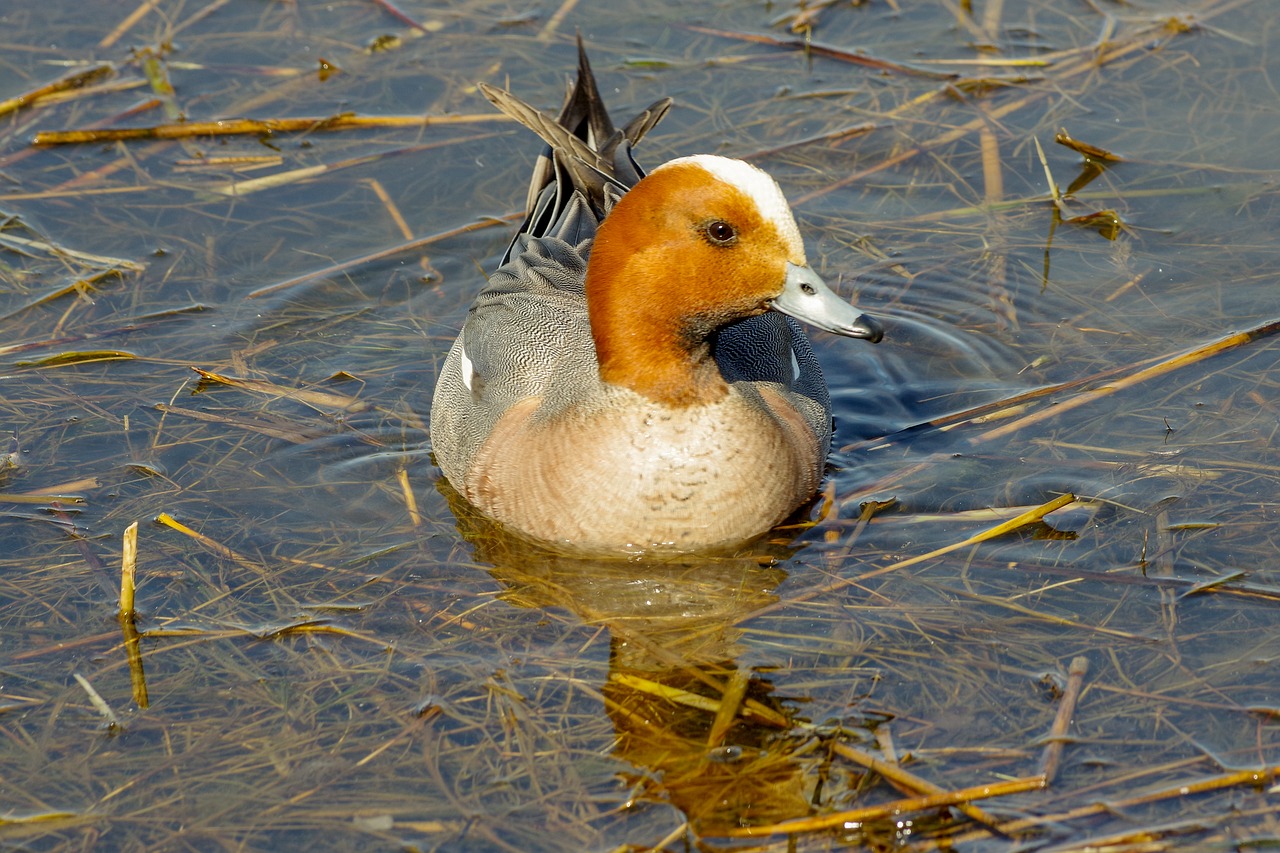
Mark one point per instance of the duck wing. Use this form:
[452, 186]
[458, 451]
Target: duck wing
[585, 154]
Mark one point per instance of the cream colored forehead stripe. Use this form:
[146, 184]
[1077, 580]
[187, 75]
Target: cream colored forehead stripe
[757, 184]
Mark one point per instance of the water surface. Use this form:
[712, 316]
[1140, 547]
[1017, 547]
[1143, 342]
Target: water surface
[338, 655]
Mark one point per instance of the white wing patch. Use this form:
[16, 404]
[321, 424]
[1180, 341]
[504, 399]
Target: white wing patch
[795, 366]
[469, 369]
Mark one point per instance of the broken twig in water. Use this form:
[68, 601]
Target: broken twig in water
[1066, 710]
[240, 126]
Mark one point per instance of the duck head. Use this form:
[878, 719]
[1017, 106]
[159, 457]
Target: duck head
[697, 244]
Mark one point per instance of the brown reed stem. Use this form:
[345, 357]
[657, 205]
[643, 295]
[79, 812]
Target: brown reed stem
[1066, 710]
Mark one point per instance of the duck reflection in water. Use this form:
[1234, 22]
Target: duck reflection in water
[711, 738]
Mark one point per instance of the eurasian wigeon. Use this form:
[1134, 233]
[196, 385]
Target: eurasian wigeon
[627, 380]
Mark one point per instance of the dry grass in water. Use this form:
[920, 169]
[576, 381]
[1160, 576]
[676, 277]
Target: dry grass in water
[1034, 608]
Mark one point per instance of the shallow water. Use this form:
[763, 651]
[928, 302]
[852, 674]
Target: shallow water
[348, 658]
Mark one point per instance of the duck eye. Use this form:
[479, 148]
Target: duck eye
[720, 233]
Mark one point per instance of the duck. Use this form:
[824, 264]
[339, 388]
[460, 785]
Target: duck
[632, 378]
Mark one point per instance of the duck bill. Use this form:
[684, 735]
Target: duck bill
[806, 297]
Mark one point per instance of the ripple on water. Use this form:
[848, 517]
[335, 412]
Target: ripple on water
[924, 368]
[953, 341]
